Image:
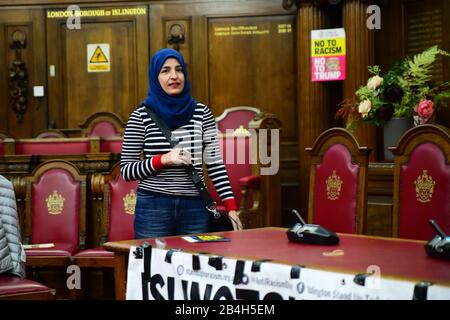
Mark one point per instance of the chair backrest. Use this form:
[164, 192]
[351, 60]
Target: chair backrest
[103, 124]
[119, 204]
[235, 146]
[338, 182]
[56, 205]
[235, 150]
[50, 134]
[235, 117]
[422, 182]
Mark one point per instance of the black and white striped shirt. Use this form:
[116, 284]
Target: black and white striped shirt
[198, 136]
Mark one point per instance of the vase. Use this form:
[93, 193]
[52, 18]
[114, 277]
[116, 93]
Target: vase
[392, 131]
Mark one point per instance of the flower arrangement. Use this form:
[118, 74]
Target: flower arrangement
[404, 91]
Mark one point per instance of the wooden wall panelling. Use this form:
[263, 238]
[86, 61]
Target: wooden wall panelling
[77, 93]
[252, 62]
[30, 23]
[426, 24]
[359, 46]
[312, 97]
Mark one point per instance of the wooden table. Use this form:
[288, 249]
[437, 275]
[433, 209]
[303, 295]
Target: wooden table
[397, 258]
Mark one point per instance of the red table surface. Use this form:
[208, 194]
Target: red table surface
[397, 258]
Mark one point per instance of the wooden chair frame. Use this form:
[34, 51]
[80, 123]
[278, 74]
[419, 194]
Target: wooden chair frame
[237, 108]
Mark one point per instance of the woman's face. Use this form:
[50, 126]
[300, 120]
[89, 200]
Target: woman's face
[171, 77]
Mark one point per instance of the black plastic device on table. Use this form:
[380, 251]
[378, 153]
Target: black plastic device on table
[311, 233]
[439, 246]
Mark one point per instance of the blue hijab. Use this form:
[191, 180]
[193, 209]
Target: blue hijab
[177, 110]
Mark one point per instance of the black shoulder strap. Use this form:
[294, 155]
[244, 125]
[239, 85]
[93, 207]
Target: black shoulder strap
[210, 203]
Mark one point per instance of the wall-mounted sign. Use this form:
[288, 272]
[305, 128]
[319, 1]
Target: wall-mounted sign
[97, 12]
[328, 54]
[98, 57]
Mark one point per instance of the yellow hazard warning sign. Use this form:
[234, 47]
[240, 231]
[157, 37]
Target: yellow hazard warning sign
[98, 57]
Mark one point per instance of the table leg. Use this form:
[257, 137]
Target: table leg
[120, 275]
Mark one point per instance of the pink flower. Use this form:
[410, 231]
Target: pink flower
[374, 82]
[425, 109]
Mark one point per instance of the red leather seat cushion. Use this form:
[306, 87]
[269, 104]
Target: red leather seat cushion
[53, 147]
[60, 228]
[103, 129]
[120, 222]
[338, 215]
[414, 214]
[59, 250]
[11, 284]
[95, 252]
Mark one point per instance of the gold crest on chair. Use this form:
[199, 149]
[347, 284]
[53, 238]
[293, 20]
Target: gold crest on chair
[55, 203]
[334, 184]
[129, 202]
[424, 187]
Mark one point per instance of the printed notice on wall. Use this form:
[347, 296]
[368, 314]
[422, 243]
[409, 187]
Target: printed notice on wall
[328, 54]
[253, 30]
[98, 57]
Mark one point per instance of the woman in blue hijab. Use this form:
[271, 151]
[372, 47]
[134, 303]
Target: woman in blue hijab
[168, 203]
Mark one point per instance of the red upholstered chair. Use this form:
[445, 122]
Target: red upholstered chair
[422, 182]
[241, 162]
[235, 151]
[235, 117]
[338, 182]
[234, 141]
[15, 288]
[55, 213]
[103, 124]
[119, 200]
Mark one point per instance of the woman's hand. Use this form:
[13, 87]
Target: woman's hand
[234, 217]
[176, 157]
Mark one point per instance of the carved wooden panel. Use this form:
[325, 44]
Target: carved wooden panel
[21, 51]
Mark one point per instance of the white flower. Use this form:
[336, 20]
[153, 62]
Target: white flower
[364, 107]
[374, 82]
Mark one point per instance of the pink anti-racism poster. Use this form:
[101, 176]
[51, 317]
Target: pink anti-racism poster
[328, 54]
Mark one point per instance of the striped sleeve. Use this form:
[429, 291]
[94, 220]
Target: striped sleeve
[132, 167]
[214, 163]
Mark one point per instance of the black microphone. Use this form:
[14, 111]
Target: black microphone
[311, 233]
[437, 229]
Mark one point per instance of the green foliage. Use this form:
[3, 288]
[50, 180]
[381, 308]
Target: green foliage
[399, 91]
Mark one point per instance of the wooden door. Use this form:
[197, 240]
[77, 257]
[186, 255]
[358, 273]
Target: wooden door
[76, 88]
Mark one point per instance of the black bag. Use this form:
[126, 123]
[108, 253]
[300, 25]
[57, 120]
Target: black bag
[217, 221]
[223, 223]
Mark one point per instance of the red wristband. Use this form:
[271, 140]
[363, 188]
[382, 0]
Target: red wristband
[230, 204]
[156, 163]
